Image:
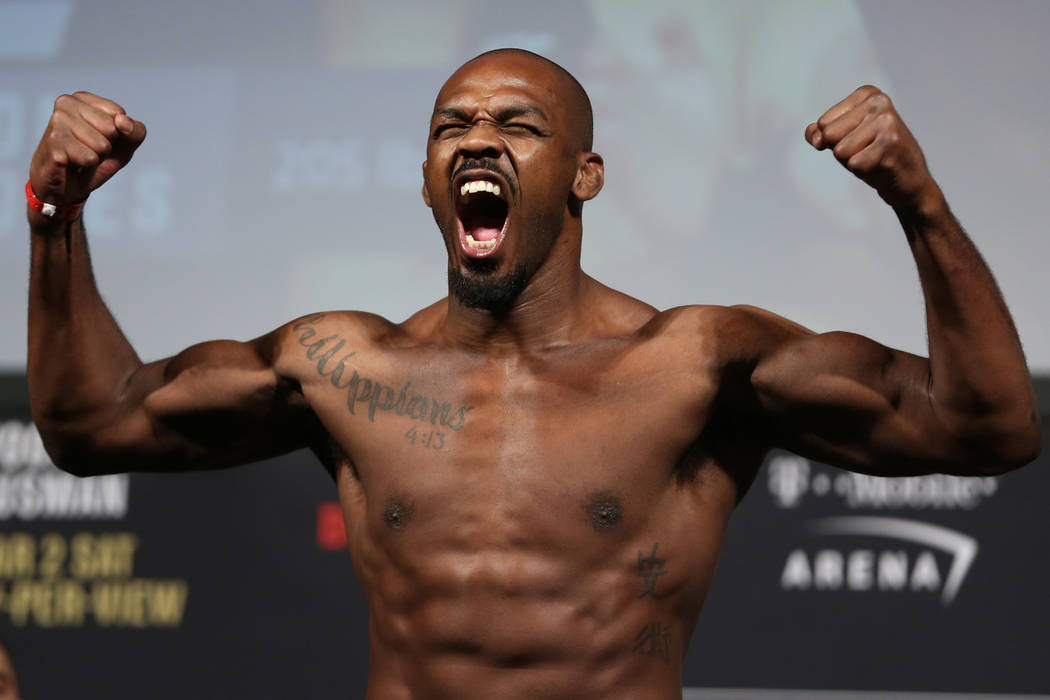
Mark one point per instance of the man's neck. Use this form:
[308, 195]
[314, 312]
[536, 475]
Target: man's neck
[546, 314]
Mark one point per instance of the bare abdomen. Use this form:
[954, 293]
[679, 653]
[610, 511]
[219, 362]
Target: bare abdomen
[521, 625]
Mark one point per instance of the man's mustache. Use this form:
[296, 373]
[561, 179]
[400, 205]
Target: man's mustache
[487, 164]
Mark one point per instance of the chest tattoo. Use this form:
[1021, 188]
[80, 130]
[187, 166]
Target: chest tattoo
[368, 394]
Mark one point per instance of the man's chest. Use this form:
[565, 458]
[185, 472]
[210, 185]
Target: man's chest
[449, 451]
[617, 410]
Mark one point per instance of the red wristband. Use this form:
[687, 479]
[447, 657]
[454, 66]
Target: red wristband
[59, 212]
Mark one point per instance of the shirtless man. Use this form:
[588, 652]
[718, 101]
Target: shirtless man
[537, 471]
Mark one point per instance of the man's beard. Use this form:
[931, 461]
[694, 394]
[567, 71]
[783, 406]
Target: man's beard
[482, 287]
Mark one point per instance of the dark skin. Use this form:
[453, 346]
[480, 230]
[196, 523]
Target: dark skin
[8, 680]
[535, 495]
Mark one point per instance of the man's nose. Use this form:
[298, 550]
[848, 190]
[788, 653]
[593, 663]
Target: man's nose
[481, 140]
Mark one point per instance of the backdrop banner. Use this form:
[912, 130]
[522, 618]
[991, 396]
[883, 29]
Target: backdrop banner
[236, 583]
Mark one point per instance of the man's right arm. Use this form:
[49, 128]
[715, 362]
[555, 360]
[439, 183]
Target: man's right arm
[98, 407]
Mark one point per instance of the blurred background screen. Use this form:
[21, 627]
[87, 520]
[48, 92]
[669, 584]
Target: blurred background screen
[281, 174]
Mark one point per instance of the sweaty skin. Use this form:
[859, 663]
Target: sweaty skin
[535, 482]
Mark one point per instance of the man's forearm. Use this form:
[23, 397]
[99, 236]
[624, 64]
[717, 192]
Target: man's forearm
[979, 382]
[78, 359]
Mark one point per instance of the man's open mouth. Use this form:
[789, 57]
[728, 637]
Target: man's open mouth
[481, 211]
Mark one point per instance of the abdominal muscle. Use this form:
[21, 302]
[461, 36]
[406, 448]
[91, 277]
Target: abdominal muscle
[490, 628]
[469, 606]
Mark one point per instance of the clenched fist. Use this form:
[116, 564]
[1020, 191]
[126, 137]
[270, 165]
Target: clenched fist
[87, 140]
[868, 137]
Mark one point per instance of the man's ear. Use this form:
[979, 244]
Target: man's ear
[426, 194]
[590, 176]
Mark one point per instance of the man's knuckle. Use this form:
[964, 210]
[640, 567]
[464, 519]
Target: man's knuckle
[107, 129]
[862, 166]
[879, 102]
[886, 120]
[86, 158]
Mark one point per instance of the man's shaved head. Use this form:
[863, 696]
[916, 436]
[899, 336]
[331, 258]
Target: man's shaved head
[578, 104]
[519, 125]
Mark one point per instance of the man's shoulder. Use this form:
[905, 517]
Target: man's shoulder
[731, 333]
[710, 319]
[361, 324]
[357, 328]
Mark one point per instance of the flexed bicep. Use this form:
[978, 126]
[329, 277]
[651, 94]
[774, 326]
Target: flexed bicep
[849, 401]
[215, 404]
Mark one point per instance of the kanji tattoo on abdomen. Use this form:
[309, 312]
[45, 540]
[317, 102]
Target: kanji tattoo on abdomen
[654, 639]
[651, 568]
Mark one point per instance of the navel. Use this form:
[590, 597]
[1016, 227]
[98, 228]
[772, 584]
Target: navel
[396, 514]
[604, 510]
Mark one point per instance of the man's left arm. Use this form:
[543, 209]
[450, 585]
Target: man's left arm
[969, 408]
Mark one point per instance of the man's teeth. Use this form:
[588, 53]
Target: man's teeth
[480, 244]
[479, 186]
